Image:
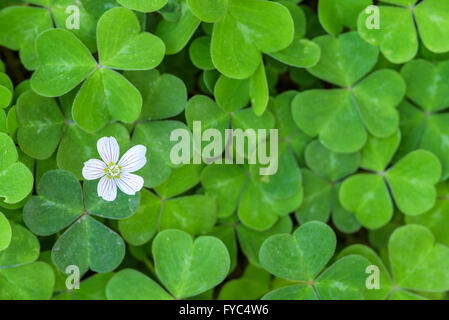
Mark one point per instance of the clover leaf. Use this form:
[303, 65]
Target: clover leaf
[5, 232]
[189, 267]
[410, 245]
[423, 111]
[106, 94]
[6, 90]
[405, 20]
[301, 52]
[266, 27]
[129, 284]
[16, 180]
[342, 117]
[335, 15]
[299, 258]
[86, 243]
[436, 218]
[143, 5]
[411, 182]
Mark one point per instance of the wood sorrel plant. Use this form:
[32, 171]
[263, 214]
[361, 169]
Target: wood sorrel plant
[357, 208]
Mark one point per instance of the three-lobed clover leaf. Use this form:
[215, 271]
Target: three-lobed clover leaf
[16, 179]
[411, 182]
[186, 267]
[105, 94]
[302, 256]
[87, 243]
[400, 23]
[341, 118]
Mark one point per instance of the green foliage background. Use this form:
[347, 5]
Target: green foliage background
[363, 149]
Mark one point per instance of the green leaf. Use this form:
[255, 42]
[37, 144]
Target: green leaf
[122, 207]
[300, 256]
[249, 28]
[16, 180]
[5, 232]
[104, 96]
[208, 10]
[143, 5]
[88, 244]
[19, 28]
[344, 59]
[232, 94]
[188, 267]
[194, 214]
[432, 19]
[59, 202]
[412, 181]
[20, 277]
[180, 180]
[27, 282]
[122, 45]
[251, 240]
[302, 53]
[176, 34]
[436, 218]
[199, 52]
[143, 224]
[344, 280]
[418, 263]
[332, 165]
[40, 125]
[335, 15]
[385, 280]
[64, 63]
[258, 90]
[225, 184]
[367, 196]
[155, 136]
[129, 284]
[399, 42]
[427, 84]
[164, 95]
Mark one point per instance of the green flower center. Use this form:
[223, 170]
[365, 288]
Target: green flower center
[113, 170]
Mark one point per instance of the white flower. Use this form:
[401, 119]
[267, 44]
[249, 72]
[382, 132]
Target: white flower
[114, 173]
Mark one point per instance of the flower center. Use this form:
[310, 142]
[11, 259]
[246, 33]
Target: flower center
[113, 170]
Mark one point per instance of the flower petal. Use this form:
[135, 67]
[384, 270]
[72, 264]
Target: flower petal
[107, 189]
[93, 169]
[134, 159]
[130, 183]
[108, 149]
